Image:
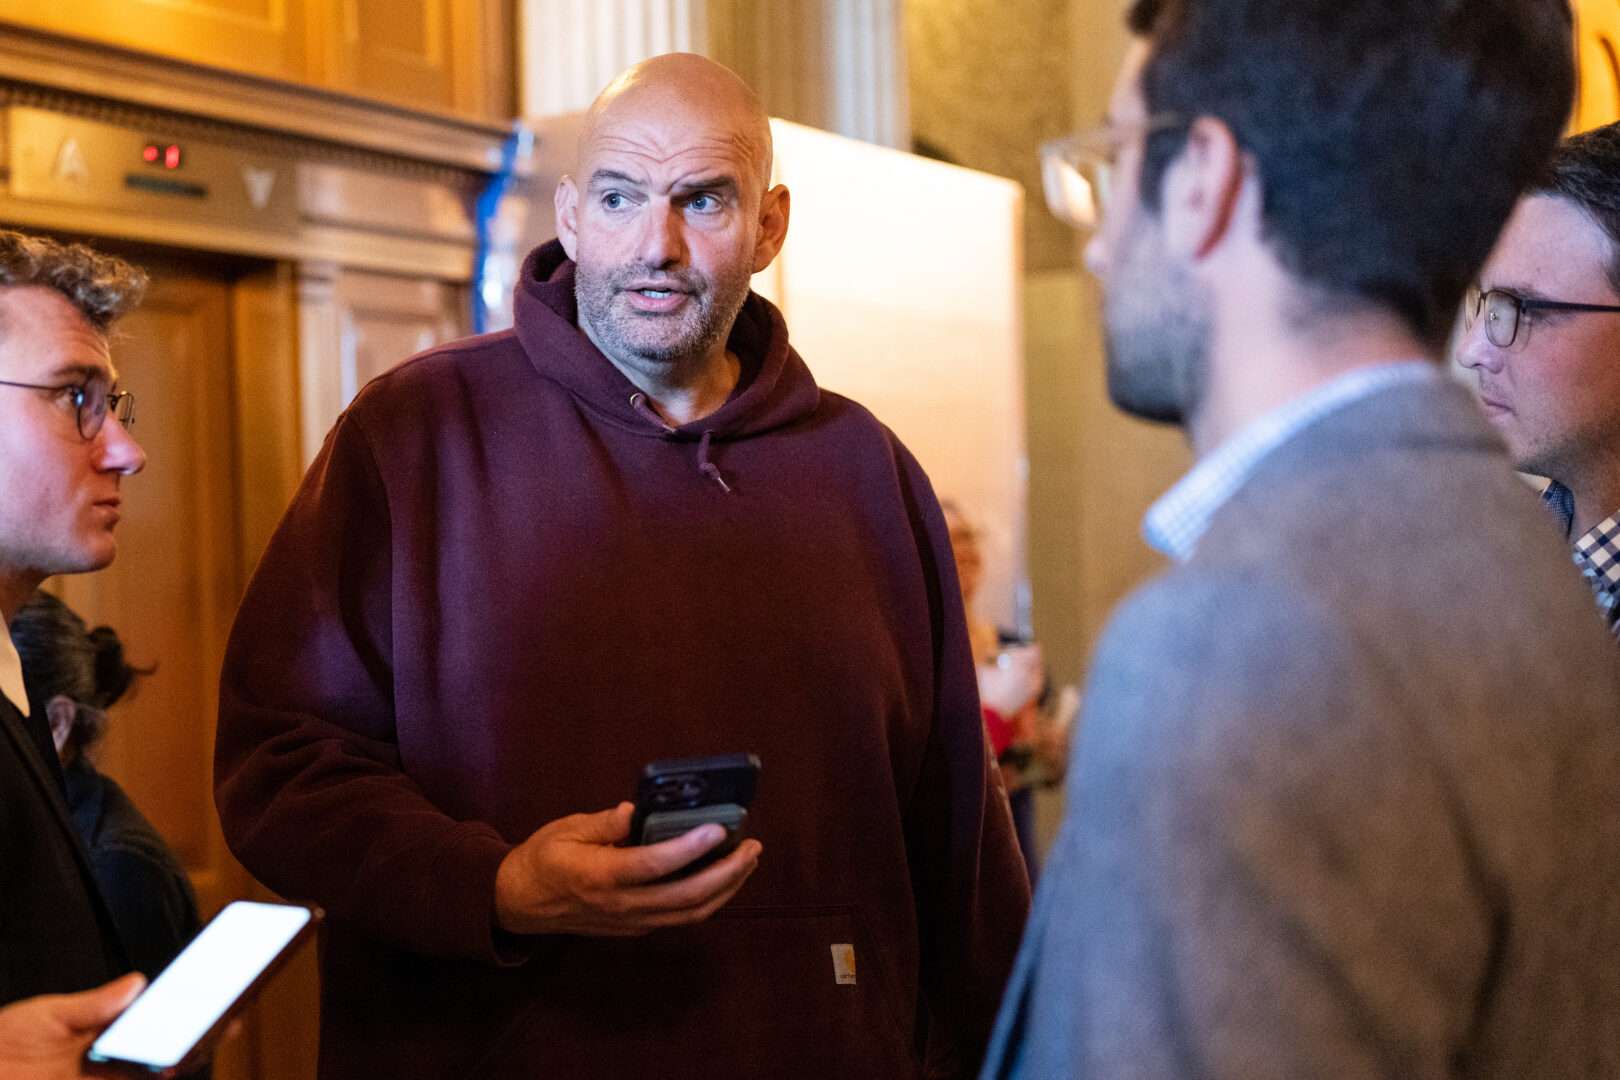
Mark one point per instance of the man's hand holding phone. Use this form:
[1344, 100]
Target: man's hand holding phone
[572, 877]
[44, 1038]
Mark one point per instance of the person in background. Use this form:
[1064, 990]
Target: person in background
[1543, 339]
[1028, 736]
[74, 675]
[1344, 798]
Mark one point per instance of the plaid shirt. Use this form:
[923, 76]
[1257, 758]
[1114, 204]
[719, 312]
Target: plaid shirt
[1596, 553]
[1174, 524]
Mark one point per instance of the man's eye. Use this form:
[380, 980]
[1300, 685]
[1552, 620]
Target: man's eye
[703, 204]
[72, 395]
[613, 201]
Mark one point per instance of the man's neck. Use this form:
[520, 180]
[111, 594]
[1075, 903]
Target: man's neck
[688, 399]
[15, 589]
[1252, 372]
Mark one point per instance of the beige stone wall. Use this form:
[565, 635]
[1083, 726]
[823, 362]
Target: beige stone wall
[987, 86]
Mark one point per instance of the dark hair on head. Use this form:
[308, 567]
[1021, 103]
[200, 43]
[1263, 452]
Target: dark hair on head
[60, 658]
[1586, 171]
[101, 287]
[1391, 137]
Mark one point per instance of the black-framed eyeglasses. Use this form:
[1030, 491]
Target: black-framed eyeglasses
[1504, 311]
[92, 402]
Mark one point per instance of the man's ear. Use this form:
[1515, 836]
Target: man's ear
[566, 202]
[773, 225]
[61, 711]
[1202, 188]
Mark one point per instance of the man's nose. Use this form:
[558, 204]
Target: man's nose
[1475, 351]
[117, 450]
[663, 242]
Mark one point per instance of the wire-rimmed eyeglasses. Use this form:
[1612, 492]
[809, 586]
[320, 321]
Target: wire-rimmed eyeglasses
[1504, 311]
[1076, 170]
[92, 401]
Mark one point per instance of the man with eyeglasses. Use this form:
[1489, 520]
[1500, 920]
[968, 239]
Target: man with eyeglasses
[1543, 338]
[64, 451]
[1344, 798]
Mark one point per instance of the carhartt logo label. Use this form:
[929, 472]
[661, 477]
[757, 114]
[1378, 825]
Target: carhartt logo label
[843, 957]
[70, 163]
[259, 183]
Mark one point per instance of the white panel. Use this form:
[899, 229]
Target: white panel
[900, 283]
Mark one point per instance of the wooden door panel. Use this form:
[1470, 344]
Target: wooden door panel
[397, 49]
[260, 37]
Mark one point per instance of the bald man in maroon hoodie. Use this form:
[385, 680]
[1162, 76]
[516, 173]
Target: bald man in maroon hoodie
[631, 529]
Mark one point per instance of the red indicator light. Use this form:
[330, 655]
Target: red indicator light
[171, 157]
[151, 154]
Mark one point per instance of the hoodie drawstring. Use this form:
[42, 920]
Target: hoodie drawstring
[638, 402]
[709, 468]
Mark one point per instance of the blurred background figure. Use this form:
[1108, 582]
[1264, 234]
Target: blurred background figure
[74, 675]
[1026, 723]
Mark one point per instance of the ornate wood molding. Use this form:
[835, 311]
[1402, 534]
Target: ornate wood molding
[111, 74]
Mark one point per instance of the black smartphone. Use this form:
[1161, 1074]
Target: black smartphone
[674, 797]
[170, 1028]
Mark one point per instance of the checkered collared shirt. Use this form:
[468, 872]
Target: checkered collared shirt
[1174, 524]
[1596, 553]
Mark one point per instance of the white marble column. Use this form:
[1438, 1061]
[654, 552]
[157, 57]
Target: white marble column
[569, 49]
[833, 64]
[838, 65]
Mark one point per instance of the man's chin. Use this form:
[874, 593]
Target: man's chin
[1143, 402]
[95, 554]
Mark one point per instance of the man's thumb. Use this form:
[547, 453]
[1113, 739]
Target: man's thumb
[95, 1009]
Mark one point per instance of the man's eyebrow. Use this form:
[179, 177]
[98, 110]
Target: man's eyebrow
[80, 373]
[612, 176]
[720, 183]
[1523, 291]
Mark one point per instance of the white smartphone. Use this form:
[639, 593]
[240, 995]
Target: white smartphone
[170, 1027]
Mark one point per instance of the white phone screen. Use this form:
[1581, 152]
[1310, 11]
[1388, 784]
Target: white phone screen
[190, 995]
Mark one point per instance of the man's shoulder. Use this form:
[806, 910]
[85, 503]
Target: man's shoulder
[460, 361]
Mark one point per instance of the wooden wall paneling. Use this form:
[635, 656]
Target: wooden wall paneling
[384, 319]
[259, 37]
[320, 357]
[269, 458]
[400, 50]
[355, 325]
[483, 58]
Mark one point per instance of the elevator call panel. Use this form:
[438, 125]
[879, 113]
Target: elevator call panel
[56, 157]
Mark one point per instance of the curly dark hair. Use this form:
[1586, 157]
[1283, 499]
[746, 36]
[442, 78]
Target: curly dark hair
[1392, 138]
[102, 287]
[61, 658]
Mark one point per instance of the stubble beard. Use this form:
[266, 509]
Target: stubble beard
[666, 343]
[1157, 327]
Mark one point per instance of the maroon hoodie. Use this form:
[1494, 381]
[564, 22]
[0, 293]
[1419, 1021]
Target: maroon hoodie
[503, 587]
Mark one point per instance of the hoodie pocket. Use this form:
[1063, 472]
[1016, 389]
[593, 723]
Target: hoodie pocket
[755, 991]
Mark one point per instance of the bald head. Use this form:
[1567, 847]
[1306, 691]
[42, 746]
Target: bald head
[688, 88]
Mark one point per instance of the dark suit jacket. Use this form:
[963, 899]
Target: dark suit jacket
[55, 933]
[1346, 797]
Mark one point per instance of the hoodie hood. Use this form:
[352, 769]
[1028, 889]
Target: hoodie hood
[774, 389]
